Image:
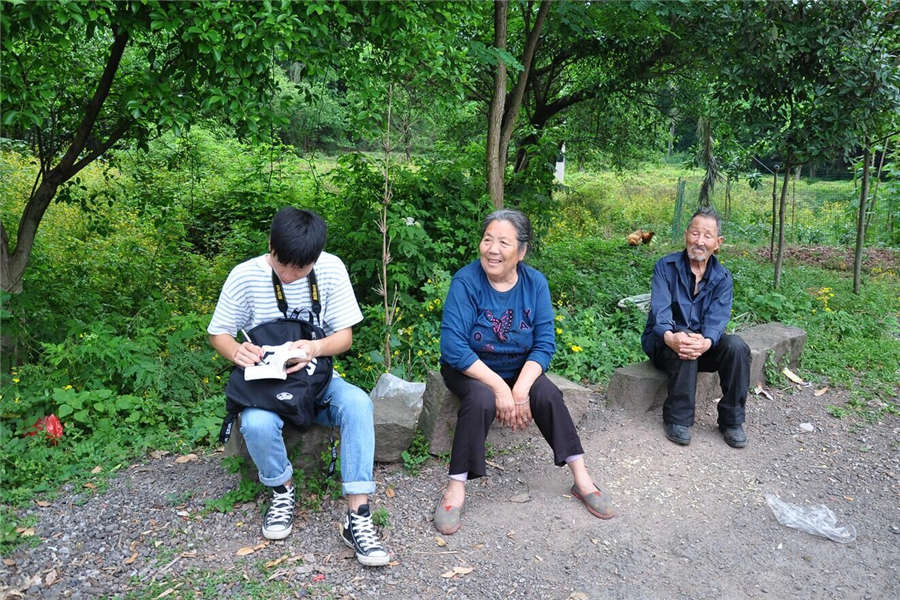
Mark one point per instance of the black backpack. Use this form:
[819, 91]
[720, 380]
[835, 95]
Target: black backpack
[297, 398]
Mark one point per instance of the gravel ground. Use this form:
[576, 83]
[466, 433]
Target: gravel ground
[692, 522]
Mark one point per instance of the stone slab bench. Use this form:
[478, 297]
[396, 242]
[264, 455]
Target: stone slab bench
[395, 423]
[439, 408]
[641, 387]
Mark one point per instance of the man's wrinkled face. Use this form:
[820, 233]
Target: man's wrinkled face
[702, 238]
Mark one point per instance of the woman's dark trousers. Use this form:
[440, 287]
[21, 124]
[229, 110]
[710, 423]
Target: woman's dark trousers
[477, 411]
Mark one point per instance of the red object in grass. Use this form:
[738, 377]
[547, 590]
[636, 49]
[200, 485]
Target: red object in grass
[51, 425]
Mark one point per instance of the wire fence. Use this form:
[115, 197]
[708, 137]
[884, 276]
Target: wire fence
[817, 212]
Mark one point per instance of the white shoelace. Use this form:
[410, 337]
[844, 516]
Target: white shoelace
[364, 532]
[282, 508]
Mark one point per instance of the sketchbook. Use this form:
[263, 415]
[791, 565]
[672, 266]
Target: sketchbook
[274, 362]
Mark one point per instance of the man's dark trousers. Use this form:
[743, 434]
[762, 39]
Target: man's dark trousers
[730, 358]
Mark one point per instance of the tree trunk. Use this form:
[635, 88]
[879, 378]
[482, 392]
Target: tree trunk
[494, 162]
[861, 219]
[781, 209]
[515, 101]
[871, 208]
[12, 265]
[772, 234]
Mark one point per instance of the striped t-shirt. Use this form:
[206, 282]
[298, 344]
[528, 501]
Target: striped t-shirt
[248, 298]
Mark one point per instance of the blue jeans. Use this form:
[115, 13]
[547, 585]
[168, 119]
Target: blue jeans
[349, 408]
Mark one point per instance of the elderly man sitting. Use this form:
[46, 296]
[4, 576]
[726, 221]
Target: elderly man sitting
[690, 304]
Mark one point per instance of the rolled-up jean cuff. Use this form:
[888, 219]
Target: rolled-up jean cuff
[358, 487]
[279, 479]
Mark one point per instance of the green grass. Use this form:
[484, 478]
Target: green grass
[610, 205]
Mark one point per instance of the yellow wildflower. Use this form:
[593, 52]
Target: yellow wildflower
[577, 349]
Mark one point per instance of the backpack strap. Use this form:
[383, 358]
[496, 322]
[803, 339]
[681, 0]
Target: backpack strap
[313, 294]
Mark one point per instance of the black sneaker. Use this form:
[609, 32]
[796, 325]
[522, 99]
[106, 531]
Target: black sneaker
[280, 517]
[359, 533]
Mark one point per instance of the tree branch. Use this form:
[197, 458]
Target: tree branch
[116, 51]
[512, 108]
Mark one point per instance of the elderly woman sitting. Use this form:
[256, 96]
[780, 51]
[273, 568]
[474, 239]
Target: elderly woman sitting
[497, 338]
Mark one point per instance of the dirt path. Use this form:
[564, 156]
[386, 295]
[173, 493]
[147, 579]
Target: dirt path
[693, 523]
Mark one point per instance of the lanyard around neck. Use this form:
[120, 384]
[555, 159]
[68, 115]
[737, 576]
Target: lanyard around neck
[313, 294]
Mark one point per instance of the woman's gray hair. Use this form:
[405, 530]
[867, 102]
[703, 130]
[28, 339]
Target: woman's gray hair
[517, 218]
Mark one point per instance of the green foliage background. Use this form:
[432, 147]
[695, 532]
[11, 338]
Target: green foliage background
[111, 323]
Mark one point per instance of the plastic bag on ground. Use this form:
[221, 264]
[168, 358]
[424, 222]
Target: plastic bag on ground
[817, 519]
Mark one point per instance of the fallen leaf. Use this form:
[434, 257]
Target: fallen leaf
[463, 570]
[158, 453]
[165, 593]
[577, 596]
[186, 458]
[539, 559]
[520, 498]
[182, 513]
[96, 470]
[245, 551]
[191, 554]
[848, 498]
[276, 562]
[25, 531]
[760, 391]
[131, 558]
[390, 493]
[90, 485]
[9, 562]
[440, 541]
[596, 541]
[818, 393]
[318, 577]
[42, 503]
[792, 376]
[50, 578]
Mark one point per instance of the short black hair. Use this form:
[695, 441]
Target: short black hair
[297, 237]
[709, 212]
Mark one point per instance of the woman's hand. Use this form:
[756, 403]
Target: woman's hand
[521, 397]
[505, 405]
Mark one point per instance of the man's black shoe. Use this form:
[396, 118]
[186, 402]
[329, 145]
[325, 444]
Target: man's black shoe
[734, 436]
[679, 434]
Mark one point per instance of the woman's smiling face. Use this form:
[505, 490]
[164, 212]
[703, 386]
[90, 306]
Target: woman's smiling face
[500, 250]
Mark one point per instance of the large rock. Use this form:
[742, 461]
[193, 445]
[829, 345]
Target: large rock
[397, 407]
[438, 418]
[641, 387]
[305, 448]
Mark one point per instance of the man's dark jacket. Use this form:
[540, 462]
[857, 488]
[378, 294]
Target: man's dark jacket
[673, 306]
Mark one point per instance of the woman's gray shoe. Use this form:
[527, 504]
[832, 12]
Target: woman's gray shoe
[447, 518]
[680, 434]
